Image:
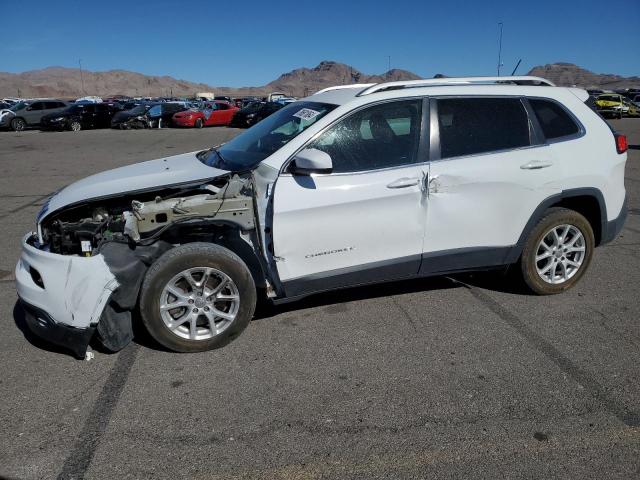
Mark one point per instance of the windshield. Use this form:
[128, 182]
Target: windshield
[251, 147]
[73, 108]
[138, 110]
[252, 107]
[18, 106]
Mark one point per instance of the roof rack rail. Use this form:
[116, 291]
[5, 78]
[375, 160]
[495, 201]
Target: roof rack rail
[433, 82]
[340, 87]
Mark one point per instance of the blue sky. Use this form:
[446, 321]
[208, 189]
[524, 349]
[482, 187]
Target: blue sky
[251, 42]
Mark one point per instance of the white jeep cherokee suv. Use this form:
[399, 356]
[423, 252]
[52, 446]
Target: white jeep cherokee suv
[350, 186]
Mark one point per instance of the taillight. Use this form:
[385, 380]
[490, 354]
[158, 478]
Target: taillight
[621, 142]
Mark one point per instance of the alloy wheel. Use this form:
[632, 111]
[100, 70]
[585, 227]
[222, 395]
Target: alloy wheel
[560, 254]
[199, 303]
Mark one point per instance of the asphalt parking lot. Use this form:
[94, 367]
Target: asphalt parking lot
[461, 377]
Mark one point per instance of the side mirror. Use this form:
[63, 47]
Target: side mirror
[311, 160]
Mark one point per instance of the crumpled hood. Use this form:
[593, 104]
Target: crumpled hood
[159, 173]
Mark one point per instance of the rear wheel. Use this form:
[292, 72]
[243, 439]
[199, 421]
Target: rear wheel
[558, 251]
[198, 123]
[197, 297]
[18, 124]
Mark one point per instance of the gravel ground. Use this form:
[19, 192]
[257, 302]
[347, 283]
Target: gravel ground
[447, 377]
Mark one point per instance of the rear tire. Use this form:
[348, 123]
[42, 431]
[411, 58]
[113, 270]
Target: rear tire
[18, 124]
[558, 251]
[214, 294]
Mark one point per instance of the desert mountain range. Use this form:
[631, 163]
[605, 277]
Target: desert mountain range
[67, 82]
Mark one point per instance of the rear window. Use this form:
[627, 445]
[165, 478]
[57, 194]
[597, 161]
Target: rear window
[470, 126]
[554, 119]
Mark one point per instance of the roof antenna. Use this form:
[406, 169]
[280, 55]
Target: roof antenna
[514, 70]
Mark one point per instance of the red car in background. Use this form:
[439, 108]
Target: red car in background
[211, 113]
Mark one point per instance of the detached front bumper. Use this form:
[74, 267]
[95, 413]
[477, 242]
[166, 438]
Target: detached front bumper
[63, 295]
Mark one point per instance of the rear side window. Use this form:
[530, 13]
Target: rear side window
[471, 126]
[554, 120]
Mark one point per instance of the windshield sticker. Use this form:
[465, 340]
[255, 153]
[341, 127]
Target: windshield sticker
[306, 114]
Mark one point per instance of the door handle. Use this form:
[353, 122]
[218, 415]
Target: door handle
[404, 182]
[536, 165]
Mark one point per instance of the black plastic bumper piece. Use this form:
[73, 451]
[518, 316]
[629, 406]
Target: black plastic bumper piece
[615, 226]
[45, 327]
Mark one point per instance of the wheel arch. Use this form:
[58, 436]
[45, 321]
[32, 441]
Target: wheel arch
[588, 201]
[227, 234]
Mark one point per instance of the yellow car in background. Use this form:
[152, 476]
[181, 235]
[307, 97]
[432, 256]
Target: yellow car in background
[616, 106]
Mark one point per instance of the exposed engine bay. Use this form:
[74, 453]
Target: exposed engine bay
[124, 235]
[149, 216]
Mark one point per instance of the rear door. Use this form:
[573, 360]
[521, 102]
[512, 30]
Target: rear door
[364, 221]
[489, 173]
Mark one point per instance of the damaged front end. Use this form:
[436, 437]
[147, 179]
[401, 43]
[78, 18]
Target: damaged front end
[81, 273]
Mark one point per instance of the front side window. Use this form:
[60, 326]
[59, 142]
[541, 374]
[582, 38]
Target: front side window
[470, 126]
[381, 136]
[554, 121]
[37, 106]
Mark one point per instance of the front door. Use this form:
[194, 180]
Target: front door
[34, 112]
[363, 222]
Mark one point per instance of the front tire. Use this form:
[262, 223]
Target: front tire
[197, 297]
[198, 123]
[558, 251]
[18, 124]
[75, 126]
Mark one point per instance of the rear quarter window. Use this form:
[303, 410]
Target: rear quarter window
[554, 120]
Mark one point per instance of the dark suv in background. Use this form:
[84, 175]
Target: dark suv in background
[80, 116]
[253, 113]
[29, 113]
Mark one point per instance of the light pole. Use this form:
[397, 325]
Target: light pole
[389, 69]
[81, 77]
[500, 48]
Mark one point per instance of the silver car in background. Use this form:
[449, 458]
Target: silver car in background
[29, 112]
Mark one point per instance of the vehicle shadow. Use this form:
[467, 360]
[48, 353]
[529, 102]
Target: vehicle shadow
[634, 147]
[504, 281]
[498, 280]
[266, 309]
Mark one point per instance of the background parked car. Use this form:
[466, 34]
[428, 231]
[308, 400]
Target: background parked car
[124, 118]
[80, 116]
[30, 112]
[615, 105]
[160, 115]
[253, 113]
[211, 113]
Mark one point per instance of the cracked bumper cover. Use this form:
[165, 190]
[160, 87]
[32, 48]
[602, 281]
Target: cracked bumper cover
[64, 295]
